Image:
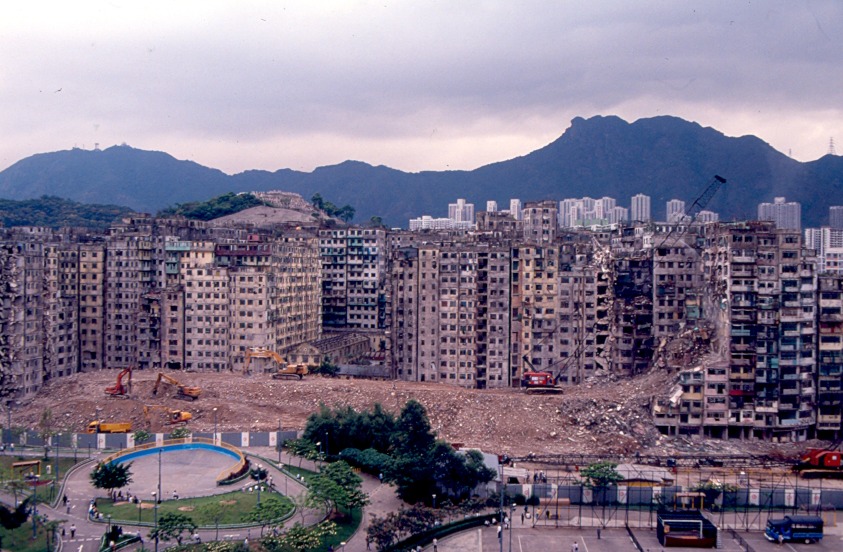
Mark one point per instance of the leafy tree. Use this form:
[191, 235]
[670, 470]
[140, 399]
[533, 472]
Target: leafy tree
[599, 476]
[215, 511]
[55, 212]
[141, 436]
[110, 476]
[171, 525]
[412, 436]
[346, 213]
[327, 368]
[305, 502]
[180, 433]
[299, 537]
[317, 201]
[302, 448]
[270, 511]
[217, 207]
[46, 429]
[339, 487]
[376, 221]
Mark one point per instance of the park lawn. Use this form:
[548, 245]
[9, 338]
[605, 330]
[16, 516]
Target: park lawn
[345, 529]
[297, 471]
[6, 461]
[20, 539]
[237, 505]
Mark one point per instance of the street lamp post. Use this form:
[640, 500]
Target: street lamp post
[279, 442]
[56, 470]
[260, 482]
[155, 510]
[434, 501]
[34, 502]
[215, 425]
[108, 517]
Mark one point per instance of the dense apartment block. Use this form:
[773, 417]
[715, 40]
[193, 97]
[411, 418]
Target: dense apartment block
[353, 277]
[449, 314]
[762, 303]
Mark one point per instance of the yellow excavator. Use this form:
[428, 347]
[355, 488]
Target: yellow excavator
[283, 370]
[184, 391]
[172, 416]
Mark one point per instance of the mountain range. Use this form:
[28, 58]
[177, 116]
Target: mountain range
[664, 157]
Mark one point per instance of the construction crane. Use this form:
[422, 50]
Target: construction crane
[173, 416]
[118, 389]
[183, 391]
[690, 215]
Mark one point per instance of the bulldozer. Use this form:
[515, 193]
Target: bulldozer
[118, 389]
[283, 370]
[183, 391]
[173, 417]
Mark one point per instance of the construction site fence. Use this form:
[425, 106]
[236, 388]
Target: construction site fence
[739, 500]
[84, 442]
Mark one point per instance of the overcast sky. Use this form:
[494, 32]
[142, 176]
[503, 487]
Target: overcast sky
[414, 85]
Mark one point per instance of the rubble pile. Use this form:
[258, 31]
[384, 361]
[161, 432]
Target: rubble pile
[604, 415]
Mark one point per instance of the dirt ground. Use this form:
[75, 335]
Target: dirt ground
[604, 415]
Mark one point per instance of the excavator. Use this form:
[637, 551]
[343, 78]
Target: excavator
[284, 369]
[184, 391]
[173, 416]
[118, 389]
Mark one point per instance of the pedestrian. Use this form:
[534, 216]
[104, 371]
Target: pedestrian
[330, 548]
[72, 530]
[435, 545]
[522, 518]
[575, 547]
[68, 509]
[500, 532]
[246, 543]
[175, 494]
[598, 533]
[140, 538]
[64, 499]
[380, 477]
[369, 542]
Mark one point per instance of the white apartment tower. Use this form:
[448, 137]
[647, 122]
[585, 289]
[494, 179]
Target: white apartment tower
[492, 206]
[640, 208]
[461, 211]
[675, 210]
[786, 215]
[515, 209]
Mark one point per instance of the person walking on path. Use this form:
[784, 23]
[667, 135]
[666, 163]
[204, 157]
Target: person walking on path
[575, 547]
[72, 530]
[435, 545]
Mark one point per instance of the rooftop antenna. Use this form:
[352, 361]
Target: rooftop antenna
[831, 150]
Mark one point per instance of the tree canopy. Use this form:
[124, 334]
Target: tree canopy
[339, 487]
[404, 450]
[171, 525]
[216, 207]
[344, 213]
[112, 475]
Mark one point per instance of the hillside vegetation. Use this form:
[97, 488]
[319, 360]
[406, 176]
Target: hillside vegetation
[216, 207]
[55, 212]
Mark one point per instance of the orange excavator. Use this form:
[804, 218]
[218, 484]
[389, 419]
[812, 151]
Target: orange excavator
[118, 389]
[283, 370]
[172, 417]
[183, 391]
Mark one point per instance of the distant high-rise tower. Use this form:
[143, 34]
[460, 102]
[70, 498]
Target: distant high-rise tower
[784, 214]
[835, 216]
[640, 208]
[461, 211]
[492, 206]
[515, 209]
[675, 210]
